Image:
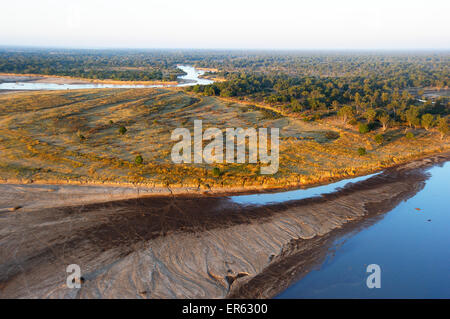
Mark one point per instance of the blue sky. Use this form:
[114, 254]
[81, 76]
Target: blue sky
[280, 24]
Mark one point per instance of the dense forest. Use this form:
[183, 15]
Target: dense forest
[370, 90]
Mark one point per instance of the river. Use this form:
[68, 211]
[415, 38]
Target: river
[411, 244]
[192, 77]
[308, 243]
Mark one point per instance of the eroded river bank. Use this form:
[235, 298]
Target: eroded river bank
[191, 246]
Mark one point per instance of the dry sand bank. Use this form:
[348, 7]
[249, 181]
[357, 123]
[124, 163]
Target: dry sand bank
[38, 78]
[28, 197]
[184, 246]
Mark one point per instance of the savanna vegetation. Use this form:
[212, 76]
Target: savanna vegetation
[123, 136]
[340, 114]
[366, 90]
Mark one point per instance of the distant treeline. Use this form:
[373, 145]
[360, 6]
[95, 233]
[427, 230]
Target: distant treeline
[315, 97]
[92, 64]
[376, 89]
[397, 69]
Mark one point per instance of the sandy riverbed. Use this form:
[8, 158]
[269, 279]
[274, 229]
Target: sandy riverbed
[182, 246]
[34, 78]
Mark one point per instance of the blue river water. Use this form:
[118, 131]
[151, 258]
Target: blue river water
[279, 197]
[411, 244]
[192, 77]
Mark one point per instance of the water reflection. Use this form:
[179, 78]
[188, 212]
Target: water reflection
[411, 244]
[192, 77]
[279, 197]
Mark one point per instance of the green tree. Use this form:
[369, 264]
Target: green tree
[335, 105]
[296, 106]
[122, 130]
[345, 113]
[427, 121]
[370, 115]
[412, 116]
[384, 119]
[138, 159]
[358, 102]
[216, 172]
[442, 126]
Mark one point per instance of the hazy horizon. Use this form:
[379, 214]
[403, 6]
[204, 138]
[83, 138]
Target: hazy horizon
[268, 50]
[283, 25]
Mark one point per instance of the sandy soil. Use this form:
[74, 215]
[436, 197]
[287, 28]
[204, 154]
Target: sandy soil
[8, 77]
[183, 246]
[73, 137]
[9, 91]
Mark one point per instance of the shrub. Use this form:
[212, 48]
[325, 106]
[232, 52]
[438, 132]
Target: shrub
[270, 115]
[216, 172]
[362, 151]
[81, 136]
[409, 135]
[122, 130]
[379, 138]
[363, 128]
[139, 160]
[332, 135]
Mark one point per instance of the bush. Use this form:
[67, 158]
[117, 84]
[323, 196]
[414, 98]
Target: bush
[81, 136]
[216, 172]
[362, 151]
[270, 115]
[332, 135]
[363, 128]
[379, 138]
[409, 135]
[139, 160]
[308, 118]
[122, 130]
